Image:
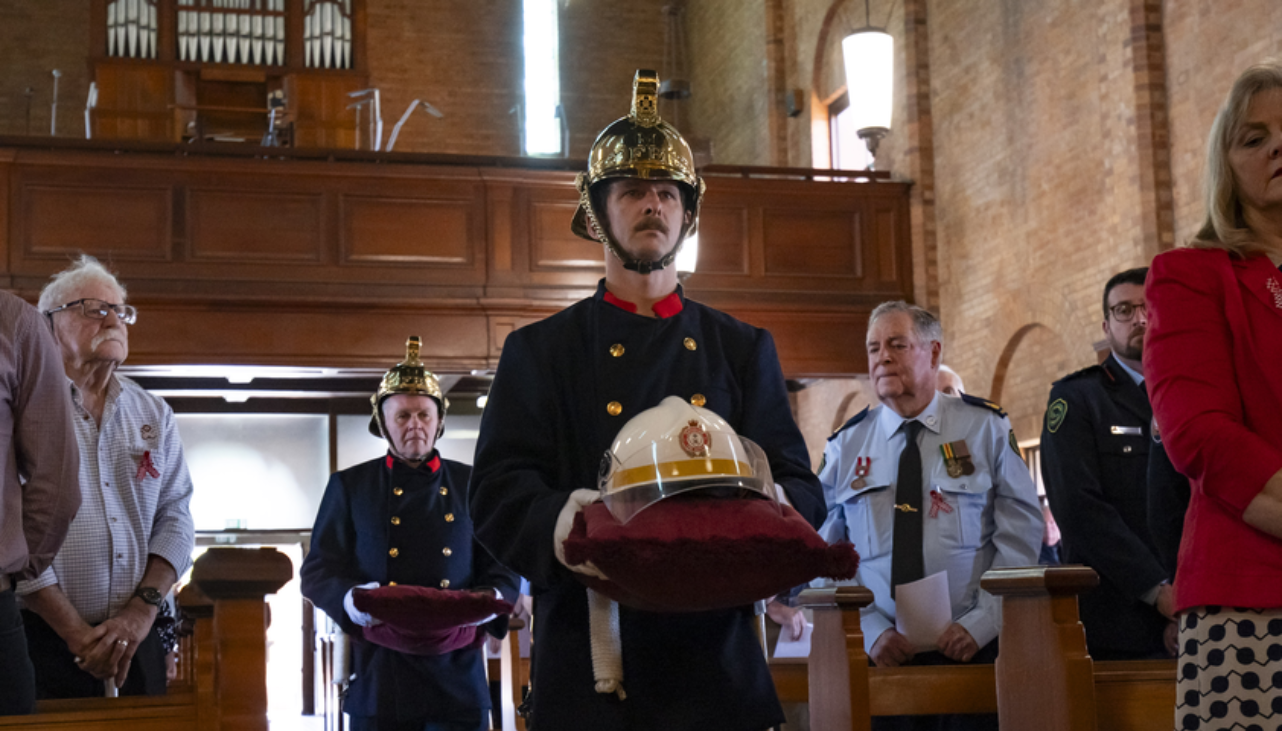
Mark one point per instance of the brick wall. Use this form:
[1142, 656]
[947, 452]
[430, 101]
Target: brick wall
[37, 36]
[462, 57]
[466, 58]
[1038, 200]
[729, 79]
[1209, 42]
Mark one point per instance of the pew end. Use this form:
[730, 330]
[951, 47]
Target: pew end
[222, 684]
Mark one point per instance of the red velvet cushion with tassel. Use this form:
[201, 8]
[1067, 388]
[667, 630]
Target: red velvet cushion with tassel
[420, 620]
[697, 554]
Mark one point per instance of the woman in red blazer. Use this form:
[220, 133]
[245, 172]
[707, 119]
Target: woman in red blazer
[1213, 358]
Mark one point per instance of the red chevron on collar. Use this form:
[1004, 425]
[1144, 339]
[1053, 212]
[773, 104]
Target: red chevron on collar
[432, 464]
[664, 308]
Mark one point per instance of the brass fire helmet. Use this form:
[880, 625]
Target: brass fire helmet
[412, 377]
[641, 146]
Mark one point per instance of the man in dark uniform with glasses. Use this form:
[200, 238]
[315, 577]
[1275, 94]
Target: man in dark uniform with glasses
[91, 616]
[1095, 444]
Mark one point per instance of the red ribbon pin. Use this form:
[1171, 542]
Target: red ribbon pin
[937, 503]
[146, 467]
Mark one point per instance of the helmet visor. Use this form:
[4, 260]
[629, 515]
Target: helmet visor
[730, 466]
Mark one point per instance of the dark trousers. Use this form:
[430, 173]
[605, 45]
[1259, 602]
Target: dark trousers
[57, 675]
[957, 722]
[18, 689]
[374, 723]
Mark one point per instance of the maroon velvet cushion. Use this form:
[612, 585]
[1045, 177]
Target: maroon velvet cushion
[697, 554]
[424, 621]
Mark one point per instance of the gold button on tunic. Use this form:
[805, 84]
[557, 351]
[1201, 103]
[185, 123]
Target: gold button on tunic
[445, 491]
[446, 551]
[445, 583]
[616, 350]
[396, 520]
[698, 399]
[690, 344]
[397, 491]
[394, 553]
[449, 517]
[614, 408]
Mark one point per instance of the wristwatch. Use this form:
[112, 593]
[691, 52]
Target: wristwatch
[150, 595]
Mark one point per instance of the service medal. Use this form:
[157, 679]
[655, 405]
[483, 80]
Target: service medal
[863, 466]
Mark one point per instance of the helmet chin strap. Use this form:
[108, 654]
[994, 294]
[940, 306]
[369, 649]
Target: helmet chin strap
[645, 267]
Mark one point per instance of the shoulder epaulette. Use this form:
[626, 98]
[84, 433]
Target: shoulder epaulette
[1088, 370]
[983, 403]
[853, 420]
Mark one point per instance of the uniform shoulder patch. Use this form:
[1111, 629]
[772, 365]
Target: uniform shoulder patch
[1055, 414]
[1087, 371]
[853, 420]
[983, 403]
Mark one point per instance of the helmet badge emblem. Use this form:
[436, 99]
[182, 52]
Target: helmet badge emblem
[694, 439]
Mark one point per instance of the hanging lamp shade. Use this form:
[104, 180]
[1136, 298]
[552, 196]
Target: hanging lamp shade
[869, 56]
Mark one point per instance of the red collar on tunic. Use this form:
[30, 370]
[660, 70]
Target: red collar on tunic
[664, 308]
[432, 465]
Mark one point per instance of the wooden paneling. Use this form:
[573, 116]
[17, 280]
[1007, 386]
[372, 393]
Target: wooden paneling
[326, 258]
[819, 243]
[553, 245]
[319, 105]
[114, 223]
[414, 231]
[723, 240]
[134, 99]
[256, 226]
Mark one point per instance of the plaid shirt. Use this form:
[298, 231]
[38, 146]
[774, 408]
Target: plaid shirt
[135, 492]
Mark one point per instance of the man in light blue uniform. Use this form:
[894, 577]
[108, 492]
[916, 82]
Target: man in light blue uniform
[976, 507]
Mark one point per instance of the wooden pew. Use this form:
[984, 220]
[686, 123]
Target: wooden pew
[223, 681]
[1043, 678]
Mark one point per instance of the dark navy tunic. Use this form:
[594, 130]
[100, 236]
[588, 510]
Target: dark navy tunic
[564, 388]
[1095, 444]
[387, 522]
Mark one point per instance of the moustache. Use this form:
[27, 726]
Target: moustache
[103, 337]
[651, 224]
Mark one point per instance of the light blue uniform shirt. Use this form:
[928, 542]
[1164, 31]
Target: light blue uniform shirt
[996, 520]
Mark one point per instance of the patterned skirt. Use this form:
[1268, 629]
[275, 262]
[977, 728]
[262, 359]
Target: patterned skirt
[1230, 670]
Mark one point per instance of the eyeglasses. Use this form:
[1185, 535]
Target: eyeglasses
[97, 310]
[1125, 311]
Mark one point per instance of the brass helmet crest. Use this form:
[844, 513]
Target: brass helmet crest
[409, 376]
[644, 147]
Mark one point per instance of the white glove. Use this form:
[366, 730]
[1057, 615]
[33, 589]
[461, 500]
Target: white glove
[781, 495]
[565, 522]
[360, 618]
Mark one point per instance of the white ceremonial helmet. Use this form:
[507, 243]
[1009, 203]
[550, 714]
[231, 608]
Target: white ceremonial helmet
[676, 447]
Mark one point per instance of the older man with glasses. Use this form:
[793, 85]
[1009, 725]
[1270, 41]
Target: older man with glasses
[1095, 445]
[90, 618]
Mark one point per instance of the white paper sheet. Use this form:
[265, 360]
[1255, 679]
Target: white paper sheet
[923, 610]
[794, 648]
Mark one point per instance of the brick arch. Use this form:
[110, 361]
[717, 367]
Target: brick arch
[1033, 357]
[1003, 362]
[826, 30]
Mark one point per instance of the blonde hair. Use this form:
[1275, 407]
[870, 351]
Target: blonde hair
[1225, 226]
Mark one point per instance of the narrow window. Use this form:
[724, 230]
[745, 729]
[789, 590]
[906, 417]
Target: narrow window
[541, 127]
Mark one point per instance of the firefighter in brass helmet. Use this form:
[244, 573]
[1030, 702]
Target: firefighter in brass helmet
[645, 150]
[564, 388]
[402, 519]
[411, 378]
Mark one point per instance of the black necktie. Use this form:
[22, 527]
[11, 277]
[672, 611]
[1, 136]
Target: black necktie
[907, 563]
